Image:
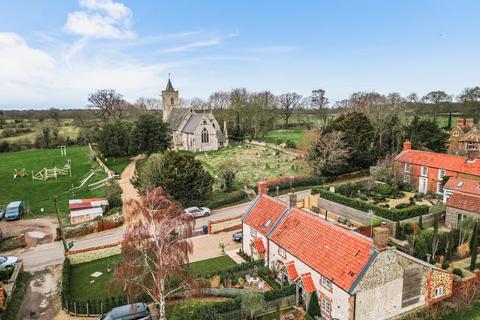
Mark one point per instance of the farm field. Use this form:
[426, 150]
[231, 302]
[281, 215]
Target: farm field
[66, 128]
[255, 163]
[37, 194]
[283, 135]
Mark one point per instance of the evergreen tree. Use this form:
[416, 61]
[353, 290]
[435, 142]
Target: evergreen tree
[426, 134]
[473, 261]
[313, 309]
[113, 138]
[181, 176]
[420, 222]
[450, 246]
[150, 134]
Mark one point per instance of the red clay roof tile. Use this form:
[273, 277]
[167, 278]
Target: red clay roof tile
[308, 283]
[264, 214]
[463, 185]
[441, 161]
[465, 202]
[336, 253]
[291, 270]
[259, 245]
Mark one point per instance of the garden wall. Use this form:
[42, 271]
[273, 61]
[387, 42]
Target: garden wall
[93, 253]
[84, 228]
[347, 212]
[427, 220]
[224, 225]
[100, 162]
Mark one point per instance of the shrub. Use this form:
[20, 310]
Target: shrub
[445, 266]
[313, 306]
[114, 195]
[385, 189]
[290, 144]
[391, 214]
[402, 205]
[6, 273]
[458, 272]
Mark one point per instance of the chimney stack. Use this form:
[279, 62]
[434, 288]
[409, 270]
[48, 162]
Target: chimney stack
[472, 155]
[469, 123]
[407, 145]
[262, 187]
[380, 236]
[460, 123]
[292, 200]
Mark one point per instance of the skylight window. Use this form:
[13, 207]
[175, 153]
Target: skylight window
[460, 184]
[267, 224]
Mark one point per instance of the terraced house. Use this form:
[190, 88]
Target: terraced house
[426, 170]
[355, 277]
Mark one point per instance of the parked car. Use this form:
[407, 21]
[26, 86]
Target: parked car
[237, 236]
[2, 213]
[137, 311]
[15, 210]
[6, 262]
[197, 212]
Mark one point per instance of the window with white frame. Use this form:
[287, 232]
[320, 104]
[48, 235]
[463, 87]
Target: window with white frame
[470, 145]
[282, 253]
[456, 133]
[407, 167]
[440, 187]
[406, 178]
[326, 283]
[326, 306]
[438, 292]
[424, 171]
[253, 232]
[441, 174]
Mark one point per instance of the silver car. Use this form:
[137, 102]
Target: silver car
[197, 212]
[6, 262]
[137, 311]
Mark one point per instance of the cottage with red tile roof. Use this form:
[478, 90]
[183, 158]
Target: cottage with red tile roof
[350, 273]
[461, 198]
[425, 170]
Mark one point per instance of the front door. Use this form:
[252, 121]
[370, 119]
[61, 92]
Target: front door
[422, 185]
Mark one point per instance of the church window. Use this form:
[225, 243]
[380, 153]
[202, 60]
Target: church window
[172, 101]
[205, 135]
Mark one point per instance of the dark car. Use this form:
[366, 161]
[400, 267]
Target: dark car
[237, 236]
[137, 311]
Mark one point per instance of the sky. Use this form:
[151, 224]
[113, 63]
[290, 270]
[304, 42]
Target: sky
[54, 53]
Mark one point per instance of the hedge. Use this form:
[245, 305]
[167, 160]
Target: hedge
[232, 270]
[223, 199]
[387, 213]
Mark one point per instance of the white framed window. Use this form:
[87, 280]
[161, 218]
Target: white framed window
[326, 283]
[326, 306]
[282, 253]
[439, 187]
[253, 232]
[424, 171]
[406, 178]
[408, 166]
[438, 292]
[441, 174]
[456, 133]
[470, 145]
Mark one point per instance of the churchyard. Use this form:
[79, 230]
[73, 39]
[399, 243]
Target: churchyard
[38, 194]
[254, 163]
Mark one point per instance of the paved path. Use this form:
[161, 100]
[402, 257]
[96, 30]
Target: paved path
[128, 190]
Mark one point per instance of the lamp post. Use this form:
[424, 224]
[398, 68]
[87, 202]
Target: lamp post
[370, 213]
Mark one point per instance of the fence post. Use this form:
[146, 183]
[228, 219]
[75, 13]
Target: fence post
[88, 313]
[75, 307]
[101, 307]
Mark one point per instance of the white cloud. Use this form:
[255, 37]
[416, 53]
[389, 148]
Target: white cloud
[101, 19]
[193, 45]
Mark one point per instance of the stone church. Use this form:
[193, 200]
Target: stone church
[191, 130]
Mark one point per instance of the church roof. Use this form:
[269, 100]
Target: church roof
[176, 117]
[192, 123]
[169, 86]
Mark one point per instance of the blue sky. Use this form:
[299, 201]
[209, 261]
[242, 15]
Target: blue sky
[53, 53]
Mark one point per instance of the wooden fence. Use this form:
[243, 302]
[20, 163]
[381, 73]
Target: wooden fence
[271, 307]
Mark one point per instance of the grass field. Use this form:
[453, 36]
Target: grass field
[81, 288]
[117, 164]
[472, 313]
[37, 194]
[65, 127]
[283, 135]
[255, 163]
[211, 265]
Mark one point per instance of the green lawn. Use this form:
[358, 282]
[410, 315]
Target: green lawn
[211, 265]
[37, 194]
[82, 289]
[117, 164]
[472, 313]
[65, 129]
[254, 163]
[281, 136]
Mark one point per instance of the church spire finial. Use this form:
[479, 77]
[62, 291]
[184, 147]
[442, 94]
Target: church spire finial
[169, 84]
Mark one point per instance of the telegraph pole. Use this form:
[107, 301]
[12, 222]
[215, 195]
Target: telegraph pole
[62, 234]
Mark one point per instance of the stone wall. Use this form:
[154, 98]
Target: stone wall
[84, 228]
[427, 220]
[344, 211]
[94, 253]
[228, 224]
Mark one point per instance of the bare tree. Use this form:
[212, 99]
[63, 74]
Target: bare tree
[329, 153]
[109, 104]
[219, 100]
[287, 104]
[319, 101]
[471, 98]
[155, 248]
[413, 98]
[148, 103]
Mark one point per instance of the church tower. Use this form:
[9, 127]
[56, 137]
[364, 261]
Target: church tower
[169, 99]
